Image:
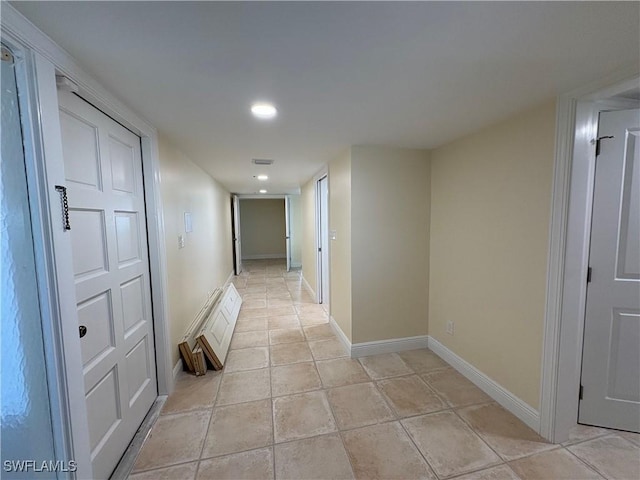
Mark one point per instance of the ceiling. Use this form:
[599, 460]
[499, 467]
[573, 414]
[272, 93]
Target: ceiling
[400, 74]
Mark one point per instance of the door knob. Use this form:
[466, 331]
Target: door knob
[83, 330]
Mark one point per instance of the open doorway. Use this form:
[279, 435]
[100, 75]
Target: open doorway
[267, 229]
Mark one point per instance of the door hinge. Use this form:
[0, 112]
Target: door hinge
[598, 143]
[589, 275]
[581, 392]
[319, 249]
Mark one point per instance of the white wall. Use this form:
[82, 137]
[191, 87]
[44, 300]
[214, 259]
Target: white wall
[340, 248]
[390, 204]
[379, 208]
[206, 260]
[295, 225]
[490, 212]
[309, 256]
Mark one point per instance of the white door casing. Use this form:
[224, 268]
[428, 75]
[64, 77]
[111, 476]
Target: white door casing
[287, 229]
[103, 173]
[323, 239]
[611, 348]
[237, 245]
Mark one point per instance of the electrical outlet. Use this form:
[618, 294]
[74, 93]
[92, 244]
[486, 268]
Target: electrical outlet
[450, 327]
[180, 241]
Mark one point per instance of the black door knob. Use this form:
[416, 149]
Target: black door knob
[83, 330]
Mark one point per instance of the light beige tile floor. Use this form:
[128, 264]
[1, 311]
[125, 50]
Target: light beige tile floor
[290, 404]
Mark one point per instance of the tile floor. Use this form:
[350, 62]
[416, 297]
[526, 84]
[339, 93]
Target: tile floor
[290, 404]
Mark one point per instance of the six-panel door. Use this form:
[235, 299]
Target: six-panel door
[103, 171]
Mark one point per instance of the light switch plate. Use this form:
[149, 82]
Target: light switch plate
[332, 234]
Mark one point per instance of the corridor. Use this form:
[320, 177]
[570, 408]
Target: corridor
[290, 404]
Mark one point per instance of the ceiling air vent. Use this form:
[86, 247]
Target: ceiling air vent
[262, 161]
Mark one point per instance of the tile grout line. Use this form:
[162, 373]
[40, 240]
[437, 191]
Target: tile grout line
[399, 418]
[338, 431]
[584, 462]
[323, 388]
[206, 435]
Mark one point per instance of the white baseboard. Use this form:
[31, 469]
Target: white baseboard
[346, 343]
[296, 265]
[177, 368]
[508, 400]
[388, 346]
[308, 287]
[267, 256]
[229, 279]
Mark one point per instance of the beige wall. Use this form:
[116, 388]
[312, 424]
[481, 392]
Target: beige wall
[205, 262]
[262, 228]
[490, 211]
[295, 226]
[340, 248]
[390, 242]
[308, 211]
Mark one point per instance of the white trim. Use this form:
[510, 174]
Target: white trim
[237, 234]
[263, 196]
[177, 368]
[388, 346]
[307, 286]
[229, 278]
[504, 397]
[296, 264]
[323, 172]
[340, 334]
[576, 127]
[264, 257]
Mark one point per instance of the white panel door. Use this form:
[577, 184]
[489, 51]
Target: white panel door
[611, 352]
[103, 172]
[287, 229]
[237, 250]
[219, 327]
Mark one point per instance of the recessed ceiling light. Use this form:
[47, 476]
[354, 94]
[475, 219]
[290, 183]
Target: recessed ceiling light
[263, 191]
[263, 110]
[262, 178]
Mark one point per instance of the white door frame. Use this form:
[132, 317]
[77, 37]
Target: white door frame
[237, 236]
[253, 196]
[287, 229]
[320, 293]
[576, 130]
[45, 60]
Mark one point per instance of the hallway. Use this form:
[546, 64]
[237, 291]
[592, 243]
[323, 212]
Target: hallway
[290, 404]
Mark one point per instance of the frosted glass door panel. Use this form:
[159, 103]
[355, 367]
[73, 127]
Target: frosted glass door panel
[26, 418]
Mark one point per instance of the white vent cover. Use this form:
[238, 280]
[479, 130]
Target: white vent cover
[262, 161]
